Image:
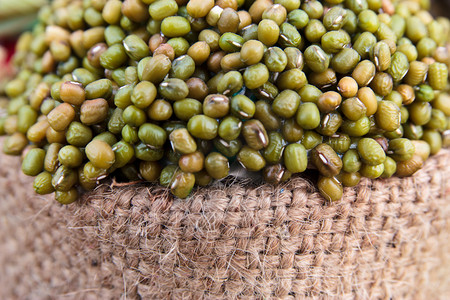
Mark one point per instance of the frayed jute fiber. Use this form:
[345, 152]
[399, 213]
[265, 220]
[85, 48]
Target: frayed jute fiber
[385, 239]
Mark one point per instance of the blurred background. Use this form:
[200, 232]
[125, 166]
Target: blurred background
[16, 16]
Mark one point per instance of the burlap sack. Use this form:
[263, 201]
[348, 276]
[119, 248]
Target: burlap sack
[385, 239]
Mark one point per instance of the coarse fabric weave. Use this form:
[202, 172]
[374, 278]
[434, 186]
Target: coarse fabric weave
[385, 239]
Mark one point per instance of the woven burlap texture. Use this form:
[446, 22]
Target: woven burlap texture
[386, 238]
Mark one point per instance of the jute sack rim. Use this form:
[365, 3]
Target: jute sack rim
[386, 238]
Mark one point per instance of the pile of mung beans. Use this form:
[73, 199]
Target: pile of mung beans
[177, 91]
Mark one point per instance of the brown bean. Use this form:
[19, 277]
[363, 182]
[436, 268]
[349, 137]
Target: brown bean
[61, 116]
[192, 163]
[72, 93]
[94, 111]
